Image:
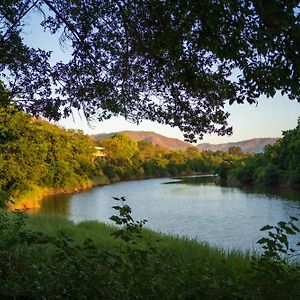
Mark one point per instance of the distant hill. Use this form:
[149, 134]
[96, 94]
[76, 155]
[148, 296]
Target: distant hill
[154, 138]
[254, 145]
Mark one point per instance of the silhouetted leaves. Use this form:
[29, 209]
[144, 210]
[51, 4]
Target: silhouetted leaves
[174, 62]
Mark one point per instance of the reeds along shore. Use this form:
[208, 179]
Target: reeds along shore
[61, 259]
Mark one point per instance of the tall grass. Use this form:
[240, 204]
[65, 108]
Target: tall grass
[185, 250]
[60, 259]
[55, 225]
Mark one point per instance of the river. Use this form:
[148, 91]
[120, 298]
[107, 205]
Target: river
[197, 207]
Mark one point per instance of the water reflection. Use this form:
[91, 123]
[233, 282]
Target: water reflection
[54, 205]
[196, 180]
[286, 192]
[196, 207]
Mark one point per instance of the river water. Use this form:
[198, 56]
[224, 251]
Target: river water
[197, 207]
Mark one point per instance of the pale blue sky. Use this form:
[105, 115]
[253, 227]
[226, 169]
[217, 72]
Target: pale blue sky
[268, 119]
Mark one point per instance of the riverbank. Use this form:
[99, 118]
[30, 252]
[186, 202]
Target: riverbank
[285, 190]
[61, 259]
[32, 199]
[232, 180]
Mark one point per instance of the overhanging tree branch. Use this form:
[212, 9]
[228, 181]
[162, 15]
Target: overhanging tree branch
[129, 54]
[23, 12]
[69, 25]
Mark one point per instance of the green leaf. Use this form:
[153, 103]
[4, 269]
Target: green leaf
[263, 241]
[281, 224]
[295, 227]
[272, 235]
[116, 219]
[284, 240]
[267, 227]
[290, 231]
[116, 207]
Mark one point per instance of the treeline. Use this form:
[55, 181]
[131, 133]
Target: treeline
[127, 158]
[279, 164]
[35, 153]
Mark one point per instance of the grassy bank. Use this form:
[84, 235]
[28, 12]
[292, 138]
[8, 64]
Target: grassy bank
[51, 257]
[101, 234]
[33, 197]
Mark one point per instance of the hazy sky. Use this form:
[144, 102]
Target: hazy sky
[268, 119]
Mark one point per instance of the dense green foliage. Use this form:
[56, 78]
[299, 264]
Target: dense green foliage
[127, 158]
[173, 62]
[278, 164]
[51, 258]
[36, 153]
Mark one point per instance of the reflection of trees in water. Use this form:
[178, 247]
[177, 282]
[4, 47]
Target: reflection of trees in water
[282, 192]
[56, 205]
[60, 204]
[204, 180]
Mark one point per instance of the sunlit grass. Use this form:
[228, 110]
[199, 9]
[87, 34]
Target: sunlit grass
[55, 225]
[55, 258]
[31, 198]
[183, 250]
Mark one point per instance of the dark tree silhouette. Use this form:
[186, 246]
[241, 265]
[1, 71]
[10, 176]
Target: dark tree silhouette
[171, 61]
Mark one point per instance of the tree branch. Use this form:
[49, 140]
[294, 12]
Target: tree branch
[22, 14]
[65, 21]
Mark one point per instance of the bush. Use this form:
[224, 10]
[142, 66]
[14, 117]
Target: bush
[42, 266]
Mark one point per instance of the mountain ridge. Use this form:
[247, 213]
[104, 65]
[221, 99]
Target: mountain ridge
[255, 145]
[154, 138]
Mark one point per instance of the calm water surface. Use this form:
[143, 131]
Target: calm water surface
[195, 207]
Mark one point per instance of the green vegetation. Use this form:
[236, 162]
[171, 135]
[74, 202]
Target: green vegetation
[165, 61]
[36, 155]
[52, 258]
[173, 62]
[127, 158]
[279, 164]
[38, 158]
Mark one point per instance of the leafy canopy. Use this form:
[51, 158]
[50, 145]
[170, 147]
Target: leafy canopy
[170, 61]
